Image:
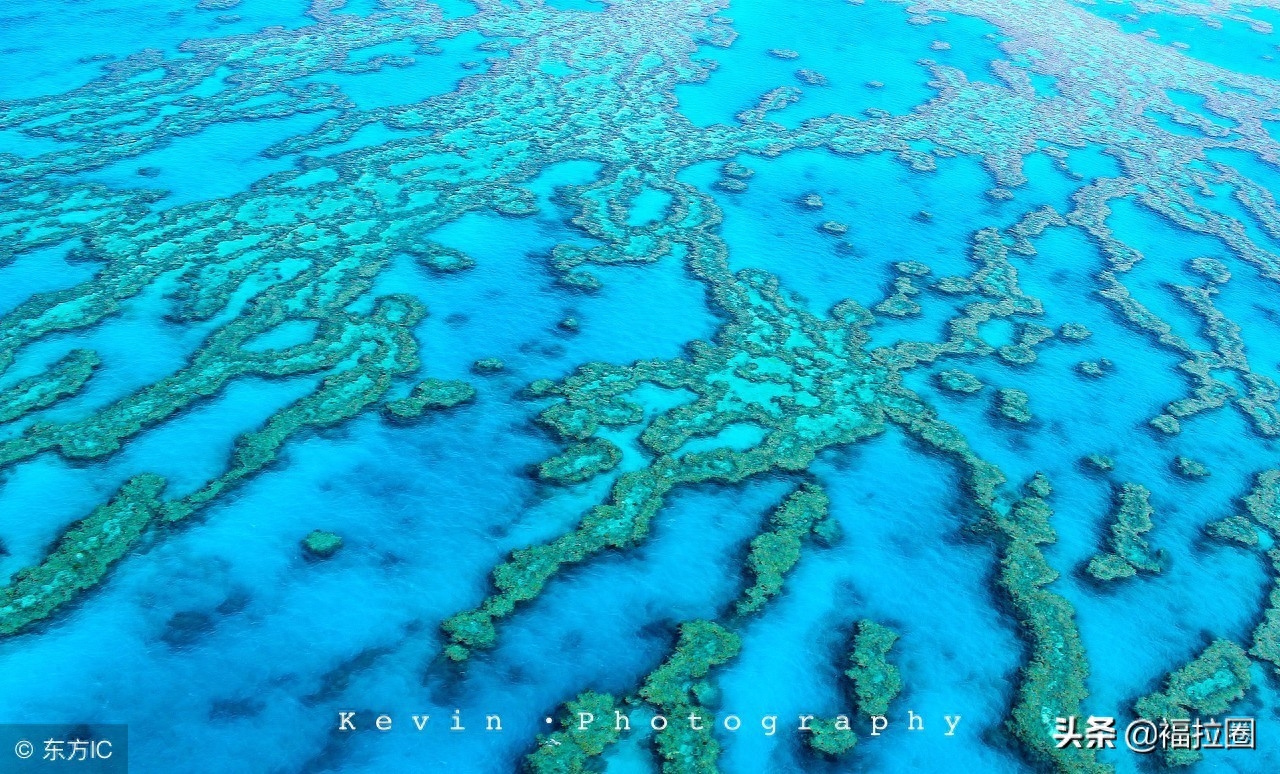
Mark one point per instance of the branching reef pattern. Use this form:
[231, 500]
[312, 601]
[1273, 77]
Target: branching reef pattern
[306, 244]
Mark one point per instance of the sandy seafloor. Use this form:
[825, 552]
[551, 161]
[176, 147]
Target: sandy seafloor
[226, 649]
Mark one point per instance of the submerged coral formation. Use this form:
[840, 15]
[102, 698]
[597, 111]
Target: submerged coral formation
[775, 552]
[321, 545]
[959, 381]
[875, 681]
[681, 686]
[581, 461]
[82, 556]
[285, 281]
[1013, 405]
[1206, 687]
[430, 394]
[1129, 552]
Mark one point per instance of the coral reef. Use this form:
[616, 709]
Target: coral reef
[1189, 468]
[581, 461]
[677, 688]
[1094, 369]
[832, 737]
[568, 751]
[1074, 332]
[1013, 405]
[82, 556]
[63, 378]
[309, 243]
[1206, 687]
[1266, 638]
[956, 380]
[876, 682]
[430, 394]
[811, 77]
[775, 552]
[680, 686]
[442, 258]
[1100, 462]
[1129, 552]
[1262, 505]
[488, 365]
[321, 545]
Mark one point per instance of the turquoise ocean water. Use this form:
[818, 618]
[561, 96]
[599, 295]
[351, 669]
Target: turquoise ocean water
[247, 211]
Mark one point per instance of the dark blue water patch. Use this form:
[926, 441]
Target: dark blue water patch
[558, 69]
[642, 311]
[551, 179]
[999, 332]
[740, 436]
[1062, 274]
[1046, 86]
[220, 161]
[18, 143]
[892, 214]
[1047, 185]
[368, 136]
[648, 206]
[1265, 15]
[850, 45]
